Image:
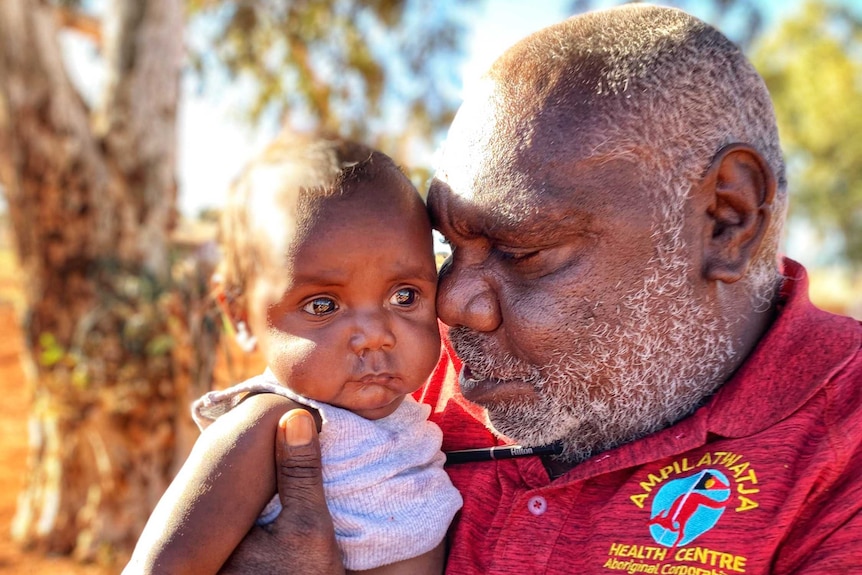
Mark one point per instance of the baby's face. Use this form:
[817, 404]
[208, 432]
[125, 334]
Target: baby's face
[350, 319]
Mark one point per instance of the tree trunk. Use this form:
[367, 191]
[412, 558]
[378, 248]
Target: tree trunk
[119, 339]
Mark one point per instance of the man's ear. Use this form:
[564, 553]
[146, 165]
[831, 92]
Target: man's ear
[741, 188]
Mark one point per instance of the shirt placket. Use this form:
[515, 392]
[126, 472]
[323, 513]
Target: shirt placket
[532, 529]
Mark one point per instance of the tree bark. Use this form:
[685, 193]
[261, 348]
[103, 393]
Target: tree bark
[118, 335]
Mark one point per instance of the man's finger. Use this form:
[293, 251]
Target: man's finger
[302, 537]
[305, 520]
[298, 468]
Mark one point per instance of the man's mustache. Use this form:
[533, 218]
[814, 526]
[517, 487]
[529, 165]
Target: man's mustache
[485, 358]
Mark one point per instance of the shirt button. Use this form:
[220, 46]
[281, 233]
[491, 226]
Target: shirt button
[537, 505]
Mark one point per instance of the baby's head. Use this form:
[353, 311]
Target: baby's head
[328, 246]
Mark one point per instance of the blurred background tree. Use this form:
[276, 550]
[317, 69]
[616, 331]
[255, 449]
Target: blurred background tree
[812, 65]
[91, 194]
[118, 333]
[380, 71]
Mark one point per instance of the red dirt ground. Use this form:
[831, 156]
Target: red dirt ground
[13, 455]
[14, 408]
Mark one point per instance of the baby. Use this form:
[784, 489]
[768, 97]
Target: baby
[328, 261]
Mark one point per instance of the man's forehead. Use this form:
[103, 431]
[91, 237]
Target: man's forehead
[509, 198]
[485, 193]
[483, 165]
[501, 137]
[466, 152]
[517, 196]
[495, 156]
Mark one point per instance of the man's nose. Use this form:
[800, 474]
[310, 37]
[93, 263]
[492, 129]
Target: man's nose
[372, 330]
[465, 298]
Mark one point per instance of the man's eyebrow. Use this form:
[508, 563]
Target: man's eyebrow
[508, 221]
[549, 227]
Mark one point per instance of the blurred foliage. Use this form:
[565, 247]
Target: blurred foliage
[361, 68]
[381, 71]
[812, 65]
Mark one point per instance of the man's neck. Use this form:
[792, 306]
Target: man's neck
[557, 467]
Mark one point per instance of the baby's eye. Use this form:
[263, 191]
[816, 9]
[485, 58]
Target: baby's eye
[403, 297]
[320, 306]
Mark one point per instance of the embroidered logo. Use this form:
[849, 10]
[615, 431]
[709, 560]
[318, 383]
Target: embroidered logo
[685, 499]
[685, 508]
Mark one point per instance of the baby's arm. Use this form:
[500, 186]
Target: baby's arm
[217, 494]
[430, 563]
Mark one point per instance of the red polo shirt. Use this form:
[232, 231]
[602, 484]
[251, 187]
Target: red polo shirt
[765, 478]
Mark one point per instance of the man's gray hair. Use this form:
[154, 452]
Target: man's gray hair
[667, 91]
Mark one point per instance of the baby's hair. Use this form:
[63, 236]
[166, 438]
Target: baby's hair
[287, 180]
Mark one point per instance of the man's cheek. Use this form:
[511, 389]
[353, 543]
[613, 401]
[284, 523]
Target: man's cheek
[543, 324]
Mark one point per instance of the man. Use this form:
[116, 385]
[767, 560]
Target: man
[614, 195]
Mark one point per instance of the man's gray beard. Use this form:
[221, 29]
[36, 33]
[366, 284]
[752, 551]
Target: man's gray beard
[662, 365]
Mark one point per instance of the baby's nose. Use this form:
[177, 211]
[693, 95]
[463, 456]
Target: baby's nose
[372, 330]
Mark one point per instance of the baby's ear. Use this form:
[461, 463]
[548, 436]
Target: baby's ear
[230, 306]
[741, 188]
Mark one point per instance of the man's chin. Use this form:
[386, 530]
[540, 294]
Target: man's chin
[517, 427]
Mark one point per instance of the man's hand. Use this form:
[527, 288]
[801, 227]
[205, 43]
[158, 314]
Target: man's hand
[302, 538]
